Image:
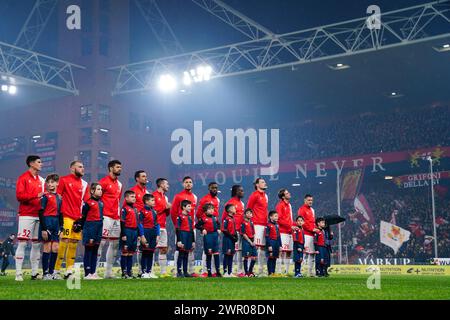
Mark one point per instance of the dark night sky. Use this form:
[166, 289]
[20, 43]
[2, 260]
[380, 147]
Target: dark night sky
[312, 90]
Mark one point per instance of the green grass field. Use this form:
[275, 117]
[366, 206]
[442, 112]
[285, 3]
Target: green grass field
[334, 288]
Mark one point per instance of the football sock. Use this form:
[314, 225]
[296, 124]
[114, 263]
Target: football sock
[139, 255]
[230, 264]
[217, 262]
[208, 263]
[204, 266]
[252, 264]
[162, 259]
[130, 265]
[176, 255]
[297, 268]
[287, 264]
[239, 261]
[45, 262]
[94, 254]
[51, 265]
[278, 263]
[179, 261]
[100, 251]
[246, 265]
[123, 264]
[87, 260]
[149, 262]
[71, 255]
[35, 256]
[61, 255]
[111, 255]
[20, 252]
[143, 262]
[260, 260]
[185, 262]
[225, 263]
[190, 258]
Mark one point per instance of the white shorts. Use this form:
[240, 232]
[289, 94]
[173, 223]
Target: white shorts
[162, 243]
[28, 228]
[287, 244]
[260, 239]
[309, 245]
[238, 244]
[111, 228]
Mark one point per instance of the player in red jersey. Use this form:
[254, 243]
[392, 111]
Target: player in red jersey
[286, 226]
[211, 198]
[140, 189]
[29, 191]
[73, 191]
[112, 190]
[162, 208]
[237, 194]
[258, 202]
[309, 229]
[175, 212]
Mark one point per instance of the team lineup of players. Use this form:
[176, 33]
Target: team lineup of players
[58, 212]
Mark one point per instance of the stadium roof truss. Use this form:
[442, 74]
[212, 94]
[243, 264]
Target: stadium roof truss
[18, 61]
[266, 51]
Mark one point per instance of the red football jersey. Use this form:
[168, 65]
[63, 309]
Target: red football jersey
[160, 208]
[27, 189]
[93, 209]
[258, 202]
[51, 204]
[175, 210]
[211, 224]
[248, 228]
[229, 225]
[129, 217]
[298, 237]
[184, 223]
[284, 210]
[239, 216]
[319, 238]
[272, 231]
[73, 191]
[112, 190]
[208, 199]
[140, 192]
[308, 215]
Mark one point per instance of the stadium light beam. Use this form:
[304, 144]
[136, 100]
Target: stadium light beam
[167, 83]
[12, 90]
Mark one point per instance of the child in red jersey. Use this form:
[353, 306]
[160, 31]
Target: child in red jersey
[50, 225]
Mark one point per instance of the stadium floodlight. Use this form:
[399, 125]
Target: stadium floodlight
[187, 80]
[442, 48]
[12, 90]
[388, 177]
[296, 184]
[36, 137]
[338, 66]
[394, 95]
[4, 88]
[167, 83]
[104, 130]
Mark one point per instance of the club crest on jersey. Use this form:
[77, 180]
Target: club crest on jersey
[235, 146]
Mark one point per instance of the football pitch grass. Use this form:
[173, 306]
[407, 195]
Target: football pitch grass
[336, 287]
